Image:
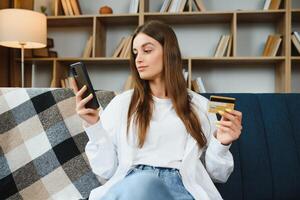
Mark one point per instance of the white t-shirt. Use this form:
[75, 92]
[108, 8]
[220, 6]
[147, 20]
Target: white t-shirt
[166, 138]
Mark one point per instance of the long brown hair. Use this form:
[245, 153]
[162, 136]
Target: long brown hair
[141, 102]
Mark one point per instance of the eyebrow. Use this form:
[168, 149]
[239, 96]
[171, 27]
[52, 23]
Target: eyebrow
[145, 44]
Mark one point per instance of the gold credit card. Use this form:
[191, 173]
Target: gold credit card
[220, 103]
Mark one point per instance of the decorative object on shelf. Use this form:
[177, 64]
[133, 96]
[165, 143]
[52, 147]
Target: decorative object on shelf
[105, 10]
[44, 10]
[24, 29]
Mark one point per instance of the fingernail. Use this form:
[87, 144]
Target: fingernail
[91, 95]
[217, 125]
[221, 112]
[217, 122]
[228, 109]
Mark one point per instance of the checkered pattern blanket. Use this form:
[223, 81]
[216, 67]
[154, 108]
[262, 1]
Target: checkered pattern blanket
[42, 145]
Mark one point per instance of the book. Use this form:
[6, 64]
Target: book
[76, 7]
[275, 45]
[296, 43]
[267, 46]
[182, 5]
[219, 45]
[297, 35]
[200, 84]
[222, 46]
[128, 48]
[119, 47]
[174, 5]
[229, 47]
[124, 49]
[134, 6]
[62, 83]
[88, 48]
[65, 7]
[199, 5]
[195, 86]
[69, 7]
[274, 5]
[272, 45]
[267, 4]
[165, 6]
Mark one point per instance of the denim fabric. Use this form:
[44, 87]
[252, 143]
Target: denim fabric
[139, 186]
[170, 177]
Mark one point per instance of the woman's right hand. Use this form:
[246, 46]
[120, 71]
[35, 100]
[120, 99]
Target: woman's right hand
[89, 115]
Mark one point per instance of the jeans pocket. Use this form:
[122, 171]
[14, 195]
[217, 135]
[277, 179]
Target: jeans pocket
[130, 171]
[178, 174]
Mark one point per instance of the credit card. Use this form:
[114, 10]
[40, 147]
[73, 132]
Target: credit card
[220, 103]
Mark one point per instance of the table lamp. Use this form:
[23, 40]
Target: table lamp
[24, 29]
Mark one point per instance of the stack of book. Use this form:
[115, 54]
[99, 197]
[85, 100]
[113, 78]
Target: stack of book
[43, 52]
[69, 7]
[180, 5]
[123, 48]
[272, 45]
[272, 4]
[224, 46]
[296, 40]
[134, 6]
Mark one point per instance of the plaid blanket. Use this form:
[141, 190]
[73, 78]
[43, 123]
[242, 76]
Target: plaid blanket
[42, 145]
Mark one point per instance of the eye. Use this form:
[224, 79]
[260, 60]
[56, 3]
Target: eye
[147, 50]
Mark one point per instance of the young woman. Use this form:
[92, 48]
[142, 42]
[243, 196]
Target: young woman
[158, 141]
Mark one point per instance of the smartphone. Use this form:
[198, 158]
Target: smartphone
[81, 77]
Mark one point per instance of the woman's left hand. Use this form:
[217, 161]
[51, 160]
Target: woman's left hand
[229, 127]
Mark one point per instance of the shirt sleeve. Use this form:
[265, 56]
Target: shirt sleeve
[216, 157]
[101, 148]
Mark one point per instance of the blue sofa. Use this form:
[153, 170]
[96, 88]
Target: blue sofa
[267, 155]
[42, 146]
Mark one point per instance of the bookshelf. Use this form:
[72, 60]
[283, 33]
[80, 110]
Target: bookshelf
[295, 56]
[247, 22]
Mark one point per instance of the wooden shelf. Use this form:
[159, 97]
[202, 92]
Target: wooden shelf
[237, 60]
[99, 60]
[283, 21]
[67, 21]
[261, 16]
[296, 59]
[191, 17]
[130, 19]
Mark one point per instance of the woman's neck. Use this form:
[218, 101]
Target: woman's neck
[158, 89]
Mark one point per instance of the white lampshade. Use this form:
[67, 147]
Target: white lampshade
[20, 26]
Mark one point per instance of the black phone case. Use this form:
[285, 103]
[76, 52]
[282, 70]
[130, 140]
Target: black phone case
[81, 76]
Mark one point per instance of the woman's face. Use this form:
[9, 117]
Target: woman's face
[148, 57]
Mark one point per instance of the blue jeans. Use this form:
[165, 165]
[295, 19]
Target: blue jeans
[147, 183]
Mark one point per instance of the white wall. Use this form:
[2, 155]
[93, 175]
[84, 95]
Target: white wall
[194, 40]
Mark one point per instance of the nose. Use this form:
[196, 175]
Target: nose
[138, 58]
